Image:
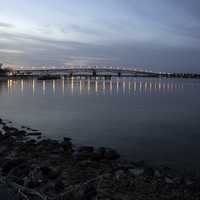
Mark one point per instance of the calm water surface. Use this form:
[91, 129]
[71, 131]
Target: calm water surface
[151, 119]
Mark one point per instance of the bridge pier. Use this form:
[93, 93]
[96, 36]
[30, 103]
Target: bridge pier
[94, 73]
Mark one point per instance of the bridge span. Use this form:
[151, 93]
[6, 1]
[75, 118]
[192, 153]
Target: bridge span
[85, 71]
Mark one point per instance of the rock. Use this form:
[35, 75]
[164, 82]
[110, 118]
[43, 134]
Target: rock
[10, 130]
[119, 174]
[39, 137]
[49, 172]
[88, 149]
[7, 193]
[59, 186]
[34, 134]
[10, 164]
[188, 182]
[86, 192]
[136, 171]
[82, 155]
[169, 180]
[3, 149]
[48, 142]
[101, 150]
[67, 139]
[149, 171]
[31, 142]
[157, 173]
[97, 156]
[140, 164]
[66, 144]
[111, 154]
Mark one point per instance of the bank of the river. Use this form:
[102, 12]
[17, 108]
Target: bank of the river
[32, 167]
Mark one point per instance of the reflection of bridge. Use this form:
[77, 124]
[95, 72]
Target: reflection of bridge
[86, 71]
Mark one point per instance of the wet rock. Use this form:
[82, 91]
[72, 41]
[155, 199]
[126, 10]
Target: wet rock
[111, 154]
[34, 134]
[188, 181]
[67, 145]
[39, 137]
[140, 164]
[10, 130]
[136, 171]
[48, 143]
[49, 172]
[97, 156]
[149, 171]
[169, 180]
[157, 173]
[3, 149]
[82, 155]
[10, 164]
[59, 186]
[119, 174]
[35, 177]
[88, 149]
[101, 150]
[85, 192]
[67, 139]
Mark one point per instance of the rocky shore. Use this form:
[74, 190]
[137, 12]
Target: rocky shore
[33, 167]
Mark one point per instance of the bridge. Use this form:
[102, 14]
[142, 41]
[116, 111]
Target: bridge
[85, 71]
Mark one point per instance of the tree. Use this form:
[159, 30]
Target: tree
[3, 71]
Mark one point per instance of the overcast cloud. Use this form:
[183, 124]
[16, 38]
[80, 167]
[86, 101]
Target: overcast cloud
[158, 34]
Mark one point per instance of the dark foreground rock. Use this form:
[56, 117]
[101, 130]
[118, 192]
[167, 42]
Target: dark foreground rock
[56, 170]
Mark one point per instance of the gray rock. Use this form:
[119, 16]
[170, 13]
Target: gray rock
[111, 154]
[157, 173]
[34, 134]
[119, 174]
[82, 155]
[88, 149]
[169, 180]
[136, 171]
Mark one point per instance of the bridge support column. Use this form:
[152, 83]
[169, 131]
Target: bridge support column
[94, 73]
[71, 74]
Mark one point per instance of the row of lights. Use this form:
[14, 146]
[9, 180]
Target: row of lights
[93, 67]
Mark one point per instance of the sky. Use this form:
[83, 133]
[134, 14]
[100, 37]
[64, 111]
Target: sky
[159, 35]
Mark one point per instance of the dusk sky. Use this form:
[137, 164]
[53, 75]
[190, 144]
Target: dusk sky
[161, 35]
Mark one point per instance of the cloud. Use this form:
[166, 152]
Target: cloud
[11, 51]
[6, 25]
[159, 35]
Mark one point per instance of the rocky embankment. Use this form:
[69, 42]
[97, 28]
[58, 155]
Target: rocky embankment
[32, 167]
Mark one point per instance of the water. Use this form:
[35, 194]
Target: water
[151, 119]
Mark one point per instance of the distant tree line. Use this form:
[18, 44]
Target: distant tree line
[3, 71]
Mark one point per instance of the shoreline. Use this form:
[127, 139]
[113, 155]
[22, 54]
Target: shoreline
[34, 167]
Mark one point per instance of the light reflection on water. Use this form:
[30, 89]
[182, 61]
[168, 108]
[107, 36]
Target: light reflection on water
[86, 87]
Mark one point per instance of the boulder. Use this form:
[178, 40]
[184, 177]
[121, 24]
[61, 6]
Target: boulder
[34, 134]
[111, 154]
[88, 149]
[136, 171]
[66, 144]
